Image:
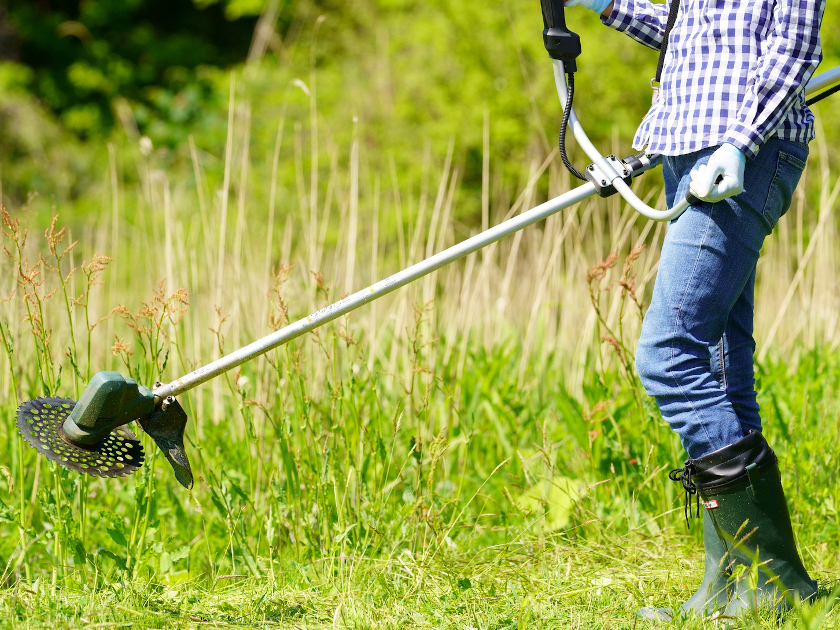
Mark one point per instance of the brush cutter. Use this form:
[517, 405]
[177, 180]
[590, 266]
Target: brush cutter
[90, 435]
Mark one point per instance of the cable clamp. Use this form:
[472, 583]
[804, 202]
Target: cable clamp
[602, 182]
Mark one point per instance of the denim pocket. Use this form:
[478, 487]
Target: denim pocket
[788, 171]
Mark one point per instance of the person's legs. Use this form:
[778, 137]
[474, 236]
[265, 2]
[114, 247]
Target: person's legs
[695, 358]
[732, 360]
[704, 290]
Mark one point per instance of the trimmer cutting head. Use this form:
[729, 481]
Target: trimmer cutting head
[40, 422]
[90, 436]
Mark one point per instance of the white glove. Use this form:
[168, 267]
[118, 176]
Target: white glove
[722, 177]
[593, 5]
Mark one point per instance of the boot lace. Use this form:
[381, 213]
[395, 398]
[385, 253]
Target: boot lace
[683, 475]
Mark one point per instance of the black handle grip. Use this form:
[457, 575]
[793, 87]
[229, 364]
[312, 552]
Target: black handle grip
[554, 15]
[692, 199]
[559, 41]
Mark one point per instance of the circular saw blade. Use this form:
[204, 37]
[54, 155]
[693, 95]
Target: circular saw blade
[40, 421]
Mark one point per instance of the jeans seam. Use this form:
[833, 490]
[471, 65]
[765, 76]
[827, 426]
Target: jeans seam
[792, 159]
[678, 317]
[773, 184]
[782, 157]
[722, 352]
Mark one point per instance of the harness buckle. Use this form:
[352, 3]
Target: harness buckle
[654, 85]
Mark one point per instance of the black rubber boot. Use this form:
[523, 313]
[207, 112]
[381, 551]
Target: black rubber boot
[741, 491]
[713, 594]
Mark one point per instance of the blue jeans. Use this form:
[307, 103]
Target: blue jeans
[695, 354]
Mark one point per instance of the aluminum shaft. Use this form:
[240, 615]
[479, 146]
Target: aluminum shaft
[821, 81]
[383, 287]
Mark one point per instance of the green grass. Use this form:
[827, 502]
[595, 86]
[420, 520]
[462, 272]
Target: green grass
[596, 580]
[439, 495]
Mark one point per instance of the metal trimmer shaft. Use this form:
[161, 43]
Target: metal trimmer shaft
[383, 287]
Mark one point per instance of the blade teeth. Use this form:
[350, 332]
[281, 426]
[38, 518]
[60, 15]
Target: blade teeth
[45, 438]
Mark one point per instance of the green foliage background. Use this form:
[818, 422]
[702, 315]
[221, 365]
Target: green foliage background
[83, 73]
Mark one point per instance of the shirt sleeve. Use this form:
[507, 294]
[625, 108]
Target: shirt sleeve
[639, 19]
[792, 57]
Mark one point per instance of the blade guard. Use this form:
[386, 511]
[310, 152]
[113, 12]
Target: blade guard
[166, 427]
[109, 401]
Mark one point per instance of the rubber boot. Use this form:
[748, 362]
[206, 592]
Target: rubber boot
[713, 593]
[742, 494]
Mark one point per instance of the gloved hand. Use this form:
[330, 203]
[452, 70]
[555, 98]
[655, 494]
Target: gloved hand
[722, 177]
[597, 6]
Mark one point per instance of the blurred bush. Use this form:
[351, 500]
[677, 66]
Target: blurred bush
[37, 154]
[85, 53]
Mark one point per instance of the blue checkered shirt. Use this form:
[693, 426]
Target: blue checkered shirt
[734, 71]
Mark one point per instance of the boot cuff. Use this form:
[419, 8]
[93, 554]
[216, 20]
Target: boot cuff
[728, 465]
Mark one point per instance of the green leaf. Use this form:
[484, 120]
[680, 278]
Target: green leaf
[249, 560]
[115, 528]
[117, 536]
[180, 553]
[343, 534]
[165, 562]
[79, 553]
[554, 498]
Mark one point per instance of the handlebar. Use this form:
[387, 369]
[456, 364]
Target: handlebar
[561, 66]
[554, 14]
[616, 179]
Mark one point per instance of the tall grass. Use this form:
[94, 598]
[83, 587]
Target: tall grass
[486, 414]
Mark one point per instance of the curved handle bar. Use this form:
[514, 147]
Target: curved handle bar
[823, 80]
[616, 179]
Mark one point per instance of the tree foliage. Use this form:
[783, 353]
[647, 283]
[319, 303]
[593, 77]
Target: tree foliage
[86, 53]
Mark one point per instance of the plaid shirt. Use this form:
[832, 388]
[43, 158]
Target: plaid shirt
[734, 71]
